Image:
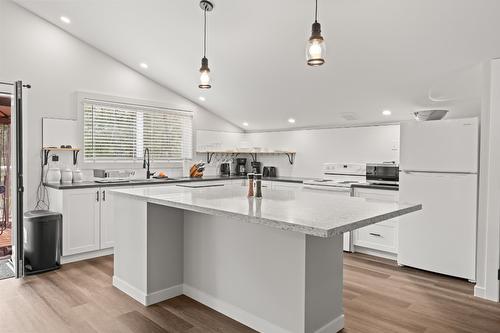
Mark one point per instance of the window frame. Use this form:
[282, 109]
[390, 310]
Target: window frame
[82, 97]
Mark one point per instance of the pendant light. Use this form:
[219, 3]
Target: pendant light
[316, 48]
[206, 6]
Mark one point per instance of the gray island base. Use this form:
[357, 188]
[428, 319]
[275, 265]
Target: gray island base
[273, 264]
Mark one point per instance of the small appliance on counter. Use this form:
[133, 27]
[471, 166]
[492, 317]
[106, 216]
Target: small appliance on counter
[112, 176]
[382, 173]
[225, 169]
[269, 171]
[256, 167]
[241, 167]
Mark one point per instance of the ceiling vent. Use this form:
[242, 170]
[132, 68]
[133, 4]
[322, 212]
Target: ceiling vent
[349, 116]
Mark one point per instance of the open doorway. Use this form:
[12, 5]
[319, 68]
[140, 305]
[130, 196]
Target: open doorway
[6, 270]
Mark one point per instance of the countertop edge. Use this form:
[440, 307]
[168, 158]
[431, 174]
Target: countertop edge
[282, 225]
[75, 186]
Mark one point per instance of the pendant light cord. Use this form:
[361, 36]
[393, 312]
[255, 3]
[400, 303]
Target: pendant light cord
[204, 33]
[316, 12]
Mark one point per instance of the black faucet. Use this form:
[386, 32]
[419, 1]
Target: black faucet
[145, 164]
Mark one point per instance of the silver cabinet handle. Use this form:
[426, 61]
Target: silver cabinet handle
[376, 235]
[97, 196]
[103, 195]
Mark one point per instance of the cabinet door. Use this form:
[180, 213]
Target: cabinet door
[80, 221]
[381, 236]
[107, 219]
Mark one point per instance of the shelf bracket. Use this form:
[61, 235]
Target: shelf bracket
[75, 156]
[209, 157]
[291, 157]
[45, 156]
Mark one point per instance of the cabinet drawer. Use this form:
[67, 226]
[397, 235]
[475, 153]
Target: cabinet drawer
[378, 237]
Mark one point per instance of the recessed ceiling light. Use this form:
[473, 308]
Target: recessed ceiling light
[144, 65]
[386, 112]
[201, 98]
[245, 124]
[291, 120]
[65, 19]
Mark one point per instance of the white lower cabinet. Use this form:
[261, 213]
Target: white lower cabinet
[107, 219]
[87, 219]
[381, 238]
[81, 221]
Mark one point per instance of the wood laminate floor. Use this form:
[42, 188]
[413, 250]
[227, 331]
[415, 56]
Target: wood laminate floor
[378, 297]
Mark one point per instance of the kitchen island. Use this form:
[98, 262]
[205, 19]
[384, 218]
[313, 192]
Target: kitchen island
[274, 264]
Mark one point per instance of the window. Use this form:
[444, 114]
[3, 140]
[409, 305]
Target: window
[121, 132]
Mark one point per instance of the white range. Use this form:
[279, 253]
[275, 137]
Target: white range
[338, 177]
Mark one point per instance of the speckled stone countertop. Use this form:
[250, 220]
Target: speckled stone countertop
[153, 181]
[316, 213]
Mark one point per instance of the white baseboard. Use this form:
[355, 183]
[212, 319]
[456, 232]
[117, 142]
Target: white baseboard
[482, 293]
[221, 306]
[86, 255]
[479, 291]
[147, 299]
[232, 311]
[376, 253]
[162, 295]
[334, 326]
[130, 290]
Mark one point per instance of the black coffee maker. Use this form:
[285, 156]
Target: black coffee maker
[256, 167]
[241, 167]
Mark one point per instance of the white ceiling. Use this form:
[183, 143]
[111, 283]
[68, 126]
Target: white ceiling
[381, 54]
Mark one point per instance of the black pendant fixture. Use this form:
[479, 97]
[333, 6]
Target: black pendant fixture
[316, 48]
[206, 6]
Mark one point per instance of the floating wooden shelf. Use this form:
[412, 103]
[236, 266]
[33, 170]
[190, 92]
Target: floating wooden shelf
[252, 152]
[47, 150]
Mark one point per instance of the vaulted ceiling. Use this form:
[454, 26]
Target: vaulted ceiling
[401, 55]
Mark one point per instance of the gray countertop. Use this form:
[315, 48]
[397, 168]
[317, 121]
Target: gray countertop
[142, 182]
[319, 213]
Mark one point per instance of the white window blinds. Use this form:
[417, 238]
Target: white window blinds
[121, 132]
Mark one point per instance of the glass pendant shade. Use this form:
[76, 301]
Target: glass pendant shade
[204, 75]
[316, 48]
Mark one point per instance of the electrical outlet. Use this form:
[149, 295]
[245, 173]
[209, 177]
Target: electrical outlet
[55, 158]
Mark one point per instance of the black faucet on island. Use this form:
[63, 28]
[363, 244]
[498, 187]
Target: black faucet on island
[145, 164]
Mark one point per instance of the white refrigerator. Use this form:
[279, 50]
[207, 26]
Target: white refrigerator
[439, 165]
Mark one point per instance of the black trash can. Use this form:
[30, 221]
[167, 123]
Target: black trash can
[42, 241]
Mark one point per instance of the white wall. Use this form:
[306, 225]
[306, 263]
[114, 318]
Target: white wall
[314, 147]
[57, 65]
[488, 251]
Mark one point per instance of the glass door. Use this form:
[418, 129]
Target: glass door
[17, 180]
[13, 184]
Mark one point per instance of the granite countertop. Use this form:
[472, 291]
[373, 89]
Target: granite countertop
[153, 181]
[322, 214]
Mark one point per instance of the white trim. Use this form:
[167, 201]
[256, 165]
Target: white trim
[86, 255]
[334, 326]
[323, 127]
[376, 253]
[232, 311]
[479, 291]
[130, 290]
[162, 295]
